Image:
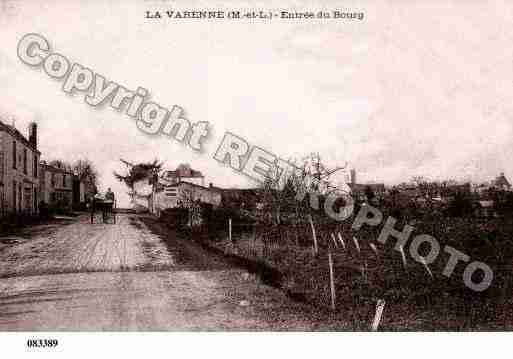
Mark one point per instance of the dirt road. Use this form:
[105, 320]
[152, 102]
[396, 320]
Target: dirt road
[128, 277]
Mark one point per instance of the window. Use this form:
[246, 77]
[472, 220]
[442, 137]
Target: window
[25, 160]
[14, 195]
[171, 192]
[36, 165]
[14, 154]
[53, 179]
[63, 180]
[27, 199]
[35, 200]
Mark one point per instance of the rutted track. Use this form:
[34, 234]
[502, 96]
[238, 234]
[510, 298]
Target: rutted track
[124, 276]
[84, 247]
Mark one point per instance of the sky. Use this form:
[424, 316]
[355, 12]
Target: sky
[416, 88]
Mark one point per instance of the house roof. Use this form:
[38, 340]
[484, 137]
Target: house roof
[50, 168]
[501, 181]
[183, 171]
[13, 131]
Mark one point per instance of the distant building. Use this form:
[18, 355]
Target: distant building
[359, 190]
[19, 170]
[183, 194]
[82, 193]
[501, 183]
[173, 189]
[183, 172]
[449, 191]
[480, 189]
[56, 187]
[180, 187]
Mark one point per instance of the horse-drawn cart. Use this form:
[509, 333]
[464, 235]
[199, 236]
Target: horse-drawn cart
[107, 208]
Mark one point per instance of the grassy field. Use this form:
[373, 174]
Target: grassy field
[417, 298]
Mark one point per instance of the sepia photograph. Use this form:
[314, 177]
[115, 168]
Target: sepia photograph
[310, 173]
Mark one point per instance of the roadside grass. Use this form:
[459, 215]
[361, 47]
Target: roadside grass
[415, 300]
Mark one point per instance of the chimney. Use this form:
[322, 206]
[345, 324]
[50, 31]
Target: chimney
[33, 134]
[353, 176]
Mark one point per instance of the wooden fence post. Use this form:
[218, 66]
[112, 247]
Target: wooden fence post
[356, 244]
[230, 229]
[332, 281]
[403, 257]
[314, 235]
[334, 240]
[374, 248]
[377, 317]
[341, 240]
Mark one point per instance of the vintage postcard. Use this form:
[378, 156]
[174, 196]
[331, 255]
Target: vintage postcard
[254, 166]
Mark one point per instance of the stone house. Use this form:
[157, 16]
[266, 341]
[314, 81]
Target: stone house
[56, 187]
[19, 170]
[172, 189]
[183, 194]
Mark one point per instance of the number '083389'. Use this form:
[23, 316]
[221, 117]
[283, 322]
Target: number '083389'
[42, 343]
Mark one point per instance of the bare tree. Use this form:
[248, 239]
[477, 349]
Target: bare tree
[137, 172]
[85, 170]
[61, 164]
[282, 191]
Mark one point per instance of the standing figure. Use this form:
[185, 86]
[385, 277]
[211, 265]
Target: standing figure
[109, 196]
[110, 200]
